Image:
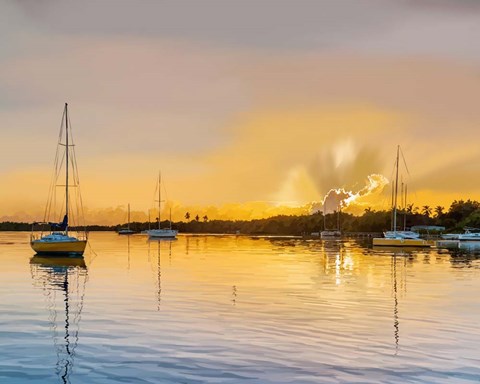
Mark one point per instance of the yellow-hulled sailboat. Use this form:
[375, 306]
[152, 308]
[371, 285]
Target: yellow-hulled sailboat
[396, 238]
[58, 240]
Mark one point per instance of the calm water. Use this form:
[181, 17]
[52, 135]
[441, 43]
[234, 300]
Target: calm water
[211, 309]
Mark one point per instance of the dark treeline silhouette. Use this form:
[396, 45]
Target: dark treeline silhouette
[460, 214]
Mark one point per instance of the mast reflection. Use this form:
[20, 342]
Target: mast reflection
[398, 286]
[158, 264]
[63, 283]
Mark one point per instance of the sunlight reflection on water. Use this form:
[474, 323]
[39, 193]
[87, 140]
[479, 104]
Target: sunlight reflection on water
[226, 309]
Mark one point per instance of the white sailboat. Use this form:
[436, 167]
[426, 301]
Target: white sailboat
[57, 240]
[395, 238]
[470, 234]
[127, 230]
[331, 233]
[162, 233]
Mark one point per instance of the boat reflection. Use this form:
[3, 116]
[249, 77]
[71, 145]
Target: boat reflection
[462, 253]
[63, 281]
[158, 266]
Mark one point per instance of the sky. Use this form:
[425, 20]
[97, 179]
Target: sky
[248, 108]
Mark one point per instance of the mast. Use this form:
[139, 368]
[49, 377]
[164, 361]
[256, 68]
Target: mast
[170, 218]
[66, 167]
[338, 216]
[324, 217]
[405, 208]
[159, 196]
[396, 193]
[128, 224]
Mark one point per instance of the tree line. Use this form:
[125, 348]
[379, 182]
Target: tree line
[460, 214]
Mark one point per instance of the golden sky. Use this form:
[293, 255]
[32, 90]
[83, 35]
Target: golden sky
[249, 109]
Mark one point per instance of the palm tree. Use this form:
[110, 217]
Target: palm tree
[205, 218]
[187, 215]
[439, 210]
[426, 210]
[197, 218]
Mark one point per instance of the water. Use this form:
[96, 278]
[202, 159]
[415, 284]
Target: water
[212, 309]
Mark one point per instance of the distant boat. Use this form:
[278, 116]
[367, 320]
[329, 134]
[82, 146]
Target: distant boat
[395, 238]
[331, 233]
[126, 231]
[470, 234]
[401, 234]
[162, 233]
[58, 241]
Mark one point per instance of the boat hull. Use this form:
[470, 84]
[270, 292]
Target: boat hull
[330, 234]
[162, 233]
[60, 248]
[126, 232]
[469, 237]
[384, 242]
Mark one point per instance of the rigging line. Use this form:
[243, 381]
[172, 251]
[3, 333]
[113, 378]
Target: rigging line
[404, 161]
[82, 211]
[94, 253]
[54, 173]
[79, 202]
[75, 183]
[165, 190]
[52, 192]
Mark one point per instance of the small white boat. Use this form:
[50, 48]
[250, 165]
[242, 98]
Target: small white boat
[330, 234]
[126, 231]
[450, 236]
[401, 235]
[161, 233]
[470, 234]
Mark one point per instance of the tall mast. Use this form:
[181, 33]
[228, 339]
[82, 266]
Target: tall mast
[66, 167]
[128, 225]
[324, 217]
[159, 196]
[391, 216]
[338, 216]
[396, 193]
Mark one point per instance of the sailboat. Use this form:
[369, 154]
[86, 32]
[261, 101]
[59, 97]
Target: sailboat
[162, 233]
[331, 233]
[126, 231]
[395, 238]
[58, 240]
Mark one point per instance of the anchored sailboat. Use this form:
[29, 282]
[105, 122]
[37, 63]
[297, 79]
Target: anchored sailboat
[162, 233]
[395, 238]
[58, 240]
[331, 233]
[126, 231]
